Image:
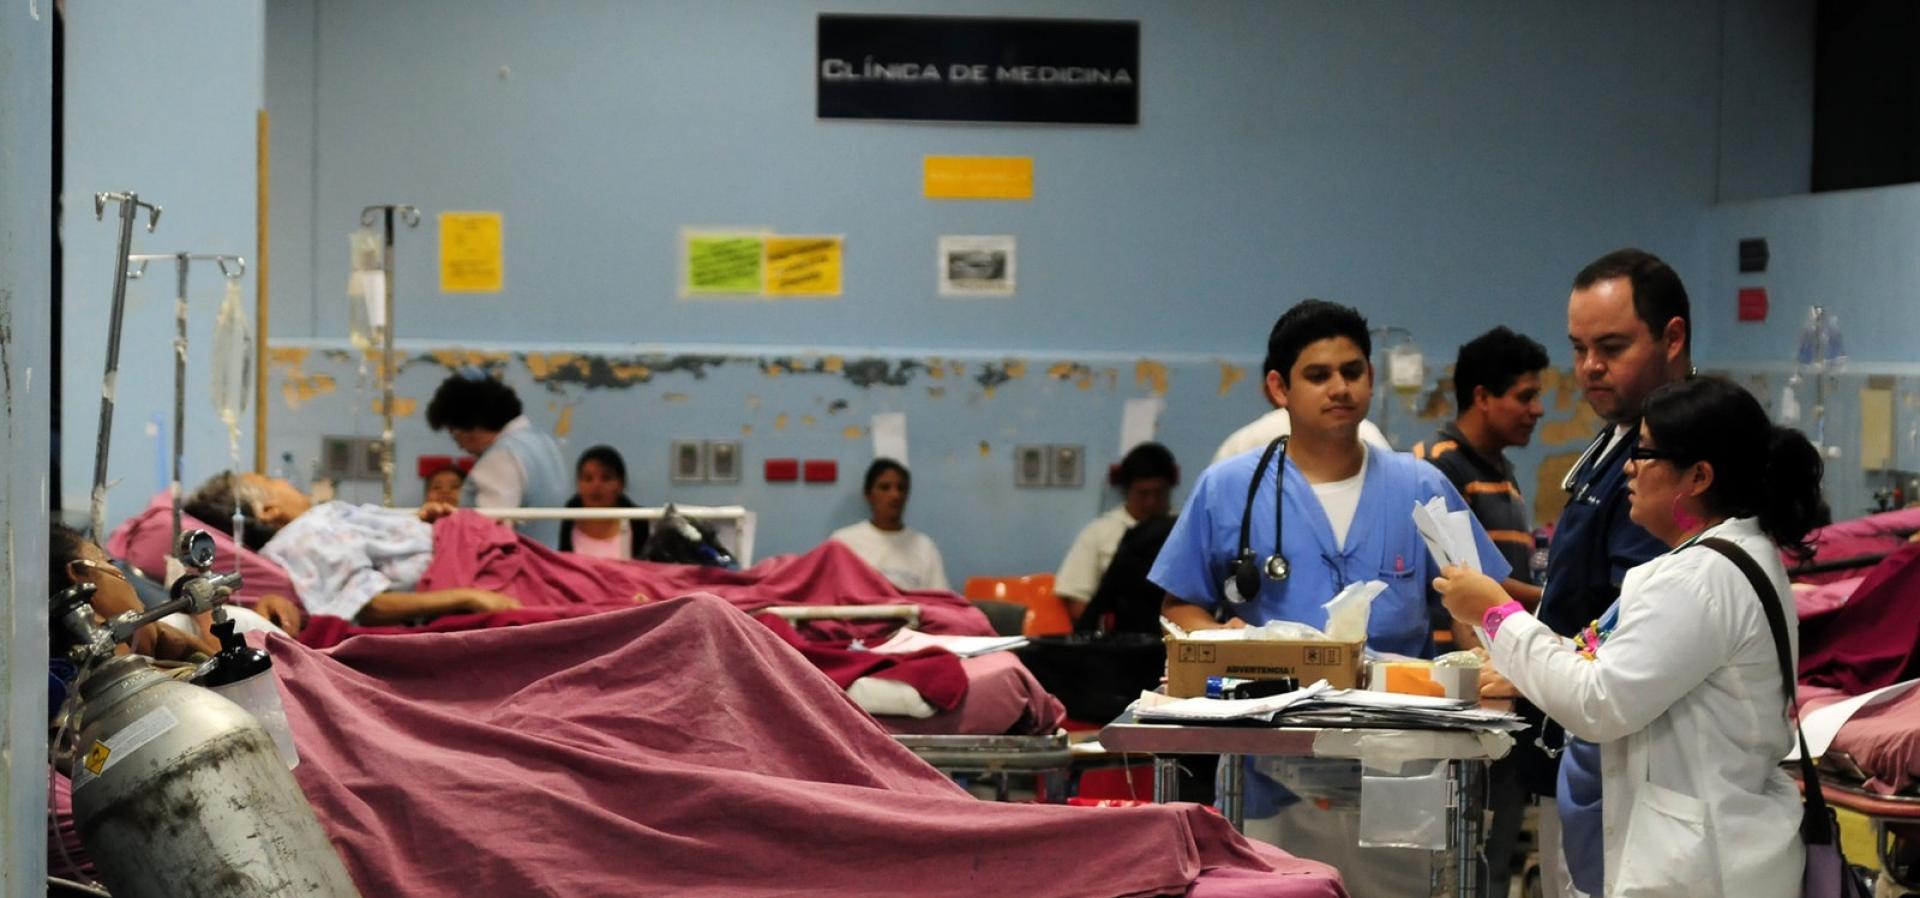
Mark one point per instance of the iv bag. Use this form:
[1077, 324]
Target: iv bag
[232, 351]
[366, 290]
[1406, 368]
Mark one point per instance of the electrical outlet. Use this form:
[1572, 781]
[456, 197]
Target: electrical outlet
[347, 458]
[688, 461]
[1029, 466]
[1064, 466]
[723, 461]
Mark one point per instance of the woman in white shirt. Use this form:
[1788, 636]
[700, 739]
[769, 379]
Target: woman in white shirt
[1677, 690]
[1145, 478]
[600, 481]
[904, 555]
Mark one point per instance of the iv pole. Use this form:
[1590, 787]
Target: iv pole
[130, 206]
[388, 369]
[181, 262]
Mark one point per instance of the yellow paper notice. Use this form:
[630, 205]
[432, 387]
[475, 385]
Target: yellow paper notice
[470, 253]
[722, 263]
[978, 177]
[803, 266]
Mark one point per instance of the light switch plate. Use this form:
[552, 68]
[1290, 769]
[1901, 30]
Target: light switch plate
[688, 461]
[1029, 466]
[1064, 465]
[723, 461]
[346, 458]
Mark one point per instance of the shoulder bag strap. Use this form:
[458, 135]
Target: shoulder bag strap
[1816, 825]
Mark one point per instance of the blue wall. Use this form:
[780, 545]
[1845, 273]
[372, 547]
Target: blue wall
[1443, 167]
[164, 105]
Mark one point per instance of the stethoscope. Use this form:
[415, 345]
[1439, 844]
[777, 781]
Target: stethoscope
[1244, 583]
[1572, 483]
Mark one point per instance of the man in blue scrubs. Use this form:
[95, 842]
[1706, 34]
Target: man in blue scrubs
[1629, 325]
[1348, 517]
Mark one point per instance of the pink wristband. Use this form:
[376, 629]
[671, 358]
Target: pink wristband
[1490, 621]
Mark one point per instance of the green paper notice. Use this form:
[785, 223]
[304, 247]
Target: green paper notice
[724, 263]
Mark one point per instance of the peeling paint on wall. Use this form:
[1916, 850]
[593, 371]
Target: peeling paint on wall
[837, 406]
[871, 372]
[746, 430]
[298, 389]
[993, 375]
[1151, 374]
[563, 423]
[808, 420]
[290, 360]
[936, 392]
[853, 431]
[1230, 375]
[780, 421]
[675, 398]
[833, 364]
[1548, 497]
[986, 449]
[1579, 429]
[403, 407]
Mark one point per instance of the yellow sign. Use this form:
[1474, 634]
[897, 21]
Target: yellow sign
[470, 253]
[96, 759]
[978, 177]
[803, 266]
[723, 263]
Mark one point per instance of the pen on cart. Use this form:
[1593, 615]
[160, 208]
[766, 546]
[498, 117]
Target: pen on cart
[1172, 628]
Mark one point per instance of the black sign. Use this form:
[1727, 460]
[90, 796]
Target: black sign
[942, 68]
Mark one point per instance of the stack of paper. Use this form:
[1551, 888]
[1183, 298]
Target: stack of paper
[1156, 707]
[1448, 534]
[1321, 706]
[906, 642]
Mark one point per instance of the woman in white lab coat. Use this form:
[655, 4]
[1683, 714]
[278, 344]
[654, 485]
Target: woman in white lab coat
[1679, 684]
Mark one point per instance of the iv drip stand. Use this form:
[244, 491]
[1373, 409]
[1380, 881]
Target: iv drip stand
[388, 369]
[181, 262]
[130, 206]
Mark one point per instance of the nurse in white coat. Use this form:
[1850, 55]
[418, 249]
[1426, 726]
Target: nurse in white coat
[1679, 685]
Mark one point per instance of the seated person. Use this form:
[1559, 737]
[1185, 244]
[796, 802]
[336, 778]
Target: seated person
[358, 562]
[445, 484]
[600, 481]
[518, 465]
[905, 556]
[1145, 478]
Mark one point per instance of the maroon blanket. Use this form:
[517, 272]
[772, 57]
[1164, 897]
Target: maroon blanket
[679, 748]
[1871, 640]
[1875, 534]
[469, 550]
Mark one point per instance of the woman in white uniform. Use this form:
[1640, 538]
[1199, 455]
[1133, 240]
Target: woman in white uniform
[1145, 478]
[1676, 691]
[907, 557]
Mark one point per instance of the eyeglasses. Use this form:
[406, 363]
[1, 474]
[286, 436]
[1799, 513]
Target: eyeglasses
[1649, 453]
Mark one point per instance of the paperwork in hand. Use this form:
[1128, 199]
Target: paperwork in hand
[1448, 534]
[1321, 706]
[906, 642]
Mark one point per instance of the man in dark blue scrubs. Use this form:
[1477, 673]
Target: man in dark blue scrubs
[1628, 322]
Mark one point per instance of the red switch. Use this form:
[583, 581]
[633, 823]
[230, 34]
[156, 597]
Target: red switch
[1753, 303]
[822, 470]
[783, 470]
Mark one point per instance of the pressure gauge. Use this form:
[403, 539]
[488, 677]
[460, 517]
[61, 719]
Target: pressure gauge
[195, 549]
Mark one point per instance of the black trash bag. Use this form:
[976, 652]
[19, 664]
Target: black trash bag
[1116, 650]
[678, 539]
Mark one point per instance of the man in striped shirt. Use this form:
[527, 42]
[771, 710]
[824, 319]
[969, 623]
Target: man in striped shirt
[1496, 381]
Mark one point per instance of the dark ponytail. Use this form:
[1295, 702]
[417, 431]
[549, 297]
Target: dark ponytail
[1714, 420]
[1791, 504]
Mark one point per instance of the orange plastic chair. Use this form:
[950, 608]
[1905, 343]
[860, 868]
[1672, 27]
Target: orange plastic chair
[1046, 613]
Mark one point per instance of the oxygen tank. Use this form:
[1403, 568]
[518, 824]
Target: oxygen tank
[178, 791]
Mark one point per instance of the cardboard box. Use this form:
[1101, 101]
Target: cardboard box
[1190, 662]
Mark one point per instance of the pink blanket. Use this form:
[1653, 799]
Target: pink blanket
[681, 748]
[1874, 534]
[469, 550]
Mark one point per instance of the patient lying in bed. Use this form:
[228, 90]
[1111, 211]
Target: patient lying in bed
[357, 562]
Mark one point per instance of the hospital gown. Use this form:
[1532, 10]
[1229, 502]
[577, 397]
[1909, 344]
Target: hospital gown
[339, 556]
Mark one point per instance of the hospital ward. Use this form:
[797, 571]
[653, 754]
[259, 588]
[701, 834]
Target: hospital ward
[1381, 449]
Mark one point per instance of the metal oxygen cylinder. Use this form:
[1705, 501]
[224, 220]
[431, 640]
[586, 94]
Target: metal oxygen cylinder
[178, 791]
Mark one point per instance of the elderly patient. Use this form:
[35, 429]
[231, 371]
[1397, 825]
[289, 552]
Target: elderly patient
[359, 562]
